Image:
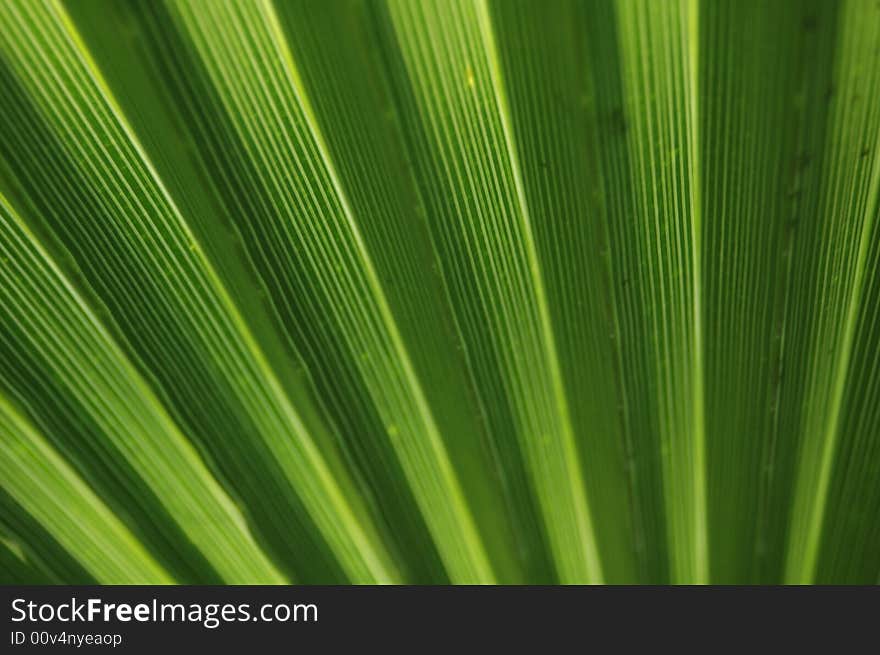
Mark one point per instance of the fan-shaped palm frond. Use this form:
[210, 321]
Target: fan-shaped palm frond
[463, 291]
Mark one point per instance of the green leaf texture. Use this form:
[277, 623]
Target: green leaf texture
[439, 291]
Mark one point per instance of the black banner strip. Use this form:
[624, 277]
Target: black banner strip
[550, 619]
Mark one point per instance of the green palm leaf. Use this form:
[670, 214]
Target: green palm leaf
[418, 291]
